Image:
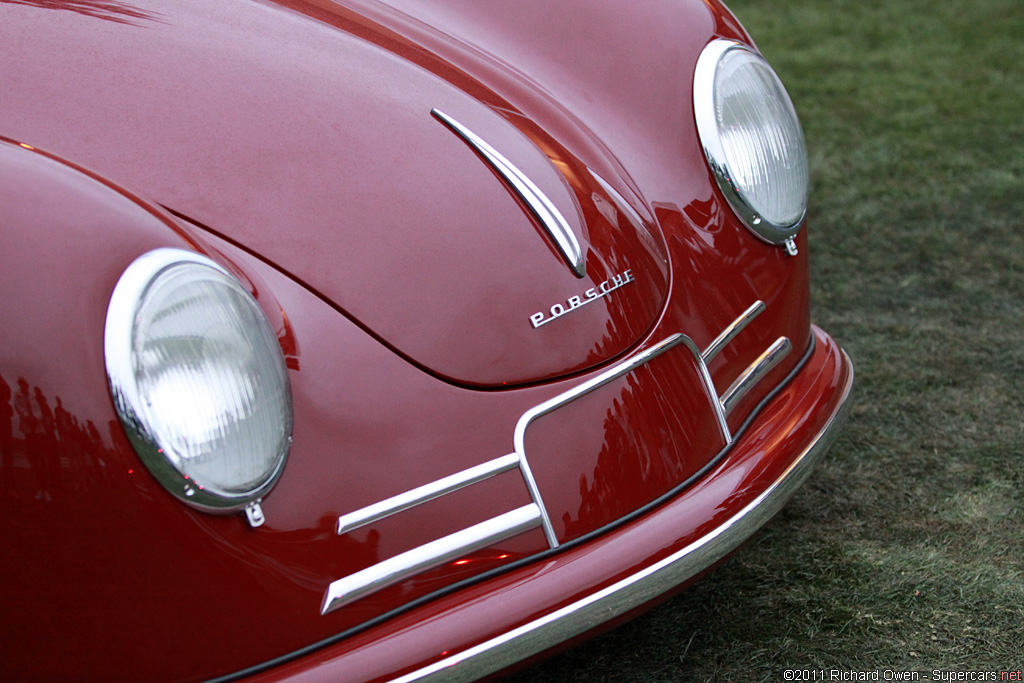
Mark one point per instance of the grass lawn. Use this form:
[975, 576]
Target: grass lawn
[905, 550]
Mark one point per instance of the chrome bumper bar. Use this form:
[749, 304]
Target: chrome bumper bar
[585, 614]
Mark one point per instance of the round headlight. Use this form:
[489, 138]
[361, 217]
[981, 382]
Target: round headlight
[752, 139]
[198, 379]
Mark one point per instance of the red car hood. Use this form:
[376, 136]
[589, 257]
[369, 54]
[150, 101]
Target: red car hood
[305, 135]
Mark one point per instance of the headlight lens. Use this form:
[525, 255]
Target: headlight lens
[752, 139]
[198, 379]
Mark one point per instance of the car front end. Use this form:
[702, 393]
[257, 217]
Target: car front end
[389, 341]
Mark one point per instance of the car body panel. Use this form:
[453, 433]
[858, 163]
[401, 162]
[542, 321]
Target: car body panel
[196, 85]
[294, 144]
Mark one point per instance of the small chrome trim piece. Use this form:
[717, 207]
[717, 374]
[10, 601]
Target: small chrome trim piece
[427, 492]
[755, 372]
[535, 200]
[730, 332]
[254, 514]
[583, 615]
[451, 547]
[716, 402]
[531, 485]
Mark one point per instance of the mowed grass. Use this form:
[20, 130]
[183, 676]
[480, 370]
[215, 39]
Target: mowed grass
[905, 550]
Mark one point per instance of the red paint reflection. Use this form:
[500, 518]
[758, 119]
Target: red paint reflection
[109, 10]
[45, 451]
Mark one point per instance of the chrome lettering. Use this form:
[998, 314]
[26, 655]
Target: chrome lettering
[578, 301]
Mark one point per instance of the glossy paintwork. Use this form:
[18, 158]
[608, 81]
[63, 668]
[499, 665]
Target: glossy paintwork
[94, 539]
[609, 453]
[357, 440]
[297, 131]
[308, 147]
[327, 161]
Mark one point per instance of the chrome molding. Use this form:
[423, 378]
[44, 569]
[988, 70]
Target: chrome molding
[583, 615]
[390, 571]
[417, 496]
[730, 332]
[451, 547]
[755, 373]
[536, 201]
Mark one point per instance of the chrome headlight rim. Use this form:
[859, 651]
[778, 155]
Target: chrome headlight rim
[704, 106]
[119, 355]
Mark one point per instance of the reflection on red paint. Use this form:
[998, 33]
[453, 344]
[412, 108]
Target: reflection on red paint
[460, 562]
[108, 10]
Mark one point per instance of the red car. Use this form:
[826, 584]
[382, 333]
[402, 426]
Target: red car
[395, 340]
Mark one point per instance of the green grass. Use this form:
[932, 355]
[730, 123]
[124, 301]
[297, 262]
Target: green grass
[906, 548]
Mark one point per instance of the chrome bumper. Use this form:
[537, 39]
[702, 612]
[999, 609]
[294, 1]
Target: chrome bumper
[642, 587]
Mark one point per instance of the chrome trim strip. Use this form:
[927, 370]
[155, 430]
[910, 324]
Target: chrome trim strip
[451, 547]
[531, 485]
[730, 332]
[716, 403]
[577, 618]
[755, 372]
[435, 489]
[536, 201]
